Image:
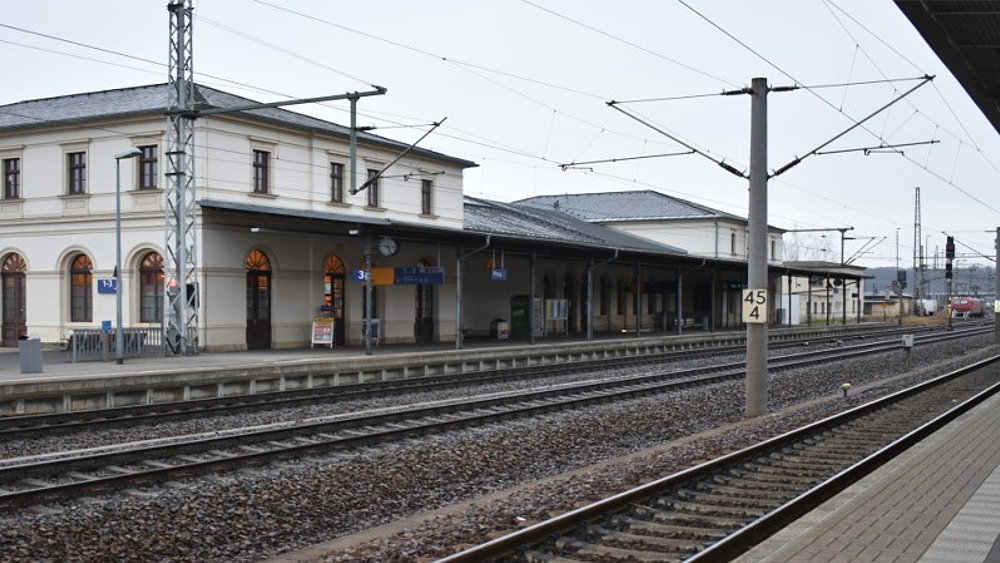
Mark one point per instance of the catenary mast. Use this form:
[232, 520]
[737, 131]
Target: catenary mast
[180, 323]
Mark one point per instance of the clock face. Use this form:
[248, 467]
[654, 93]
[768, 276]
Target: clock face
[387, 246]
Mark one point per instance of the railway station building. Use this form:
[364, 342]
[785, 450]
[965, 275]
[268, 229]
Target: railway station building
[281, 242]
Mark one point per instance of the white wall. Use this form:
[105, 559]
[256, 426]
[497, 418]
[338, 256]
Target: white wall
[702, 237]
[46, 226]
[300, 174]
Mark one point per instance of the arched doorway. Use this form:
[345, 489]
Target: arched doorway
[15, 301]
[258, 301]
[423, 325]
[151, 288]
[334, 275]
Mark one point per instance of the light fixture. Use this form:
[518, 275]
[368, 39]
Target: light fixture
[119, 336]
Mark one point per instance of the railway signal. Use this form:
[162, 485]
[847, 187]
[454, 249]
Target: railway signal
[949, 256]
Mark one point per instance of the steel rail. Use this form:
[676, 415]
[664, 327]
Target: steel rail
[16, 426]
[364, 429]
[760, 528]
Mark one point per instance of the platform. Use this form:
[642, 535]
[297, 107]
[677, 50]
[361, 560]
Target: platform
[937, 503]
[67, 386]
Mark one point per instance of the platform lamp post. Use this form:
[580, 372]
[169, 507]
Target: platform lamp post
[119, 336]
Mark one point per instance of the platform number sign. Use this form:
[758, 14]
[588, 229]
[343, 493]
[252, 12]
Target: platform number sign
[755, 306]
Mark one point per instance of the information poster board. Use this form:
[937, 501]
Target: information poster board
[322, 331]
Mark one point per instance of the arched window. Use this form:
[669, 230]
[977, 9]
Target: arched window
[151, 288]
[14, 263]
[333, 285]
[333, 265]
[81, 293]
[257, 261]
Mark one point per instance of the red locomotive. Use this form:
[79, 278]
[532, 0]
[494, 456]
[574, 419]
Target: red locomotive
[965, 306]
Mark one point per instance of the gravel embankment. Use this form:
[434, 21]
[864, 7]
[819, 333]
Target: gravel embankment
[260, 512]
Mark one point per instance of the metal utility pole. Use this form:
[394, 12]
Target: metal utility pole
[755, 298]
[756, 390]
[180, 323]
[899, 283]
[918, 254]
[949, 257]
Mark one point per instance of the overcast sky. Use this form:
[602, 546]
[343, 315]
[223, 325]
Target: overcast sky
[524, 85]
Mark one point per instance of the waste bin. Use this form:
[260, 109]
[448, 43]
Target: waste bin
[29, 350]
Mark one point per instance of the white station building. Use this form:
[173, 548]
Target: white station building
[280, 241]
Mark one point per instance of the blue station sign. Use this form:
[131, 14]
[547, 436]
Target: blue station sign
[419, 275]
[107, 285]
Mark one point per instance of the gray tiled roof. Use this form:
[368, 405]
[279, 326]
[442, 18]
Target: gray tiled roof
[611, 207]
[153, 100]
[533, 223]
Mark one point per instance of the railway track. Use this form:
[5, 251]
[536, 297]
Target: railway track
[718, 510]
[21, 426]
[48, 477]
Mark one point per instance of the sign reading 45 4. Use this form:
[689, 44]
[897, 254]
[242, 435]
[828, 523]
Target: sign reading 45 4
[755, 306]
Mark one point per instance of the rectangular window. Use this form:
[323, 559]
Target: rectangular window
[77, 173]
[261, 164]
[373, 188]
[774, 249]
[148, 168]
[426, 186]
[12, 178]
[732, 244]
[336, 182]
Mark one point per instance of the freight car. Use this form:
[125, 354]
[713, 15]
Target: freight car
[964, 306]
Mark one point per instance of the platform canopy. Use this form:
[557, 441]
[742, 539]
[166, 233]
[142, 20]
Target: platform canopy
[965, 35]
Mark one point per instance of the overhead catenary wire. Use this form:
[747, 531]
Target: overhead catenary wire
[899, 54]
[937, 126]
[288, 52]
[436, 56]
[743, 91]
[623, 159]
[471, 68]
[488, 144]
[879, 148]
[674, 138]
[857, 124]
[977, 252]
[824, 100]
[520, 154]
[629, 43]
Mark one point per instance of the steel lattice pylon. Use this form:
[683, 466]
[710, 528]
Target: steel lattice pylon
[180, 323]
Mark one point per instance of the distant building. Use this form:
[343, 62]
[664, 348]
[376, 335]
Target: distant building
[698, 229]
[815, 294]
